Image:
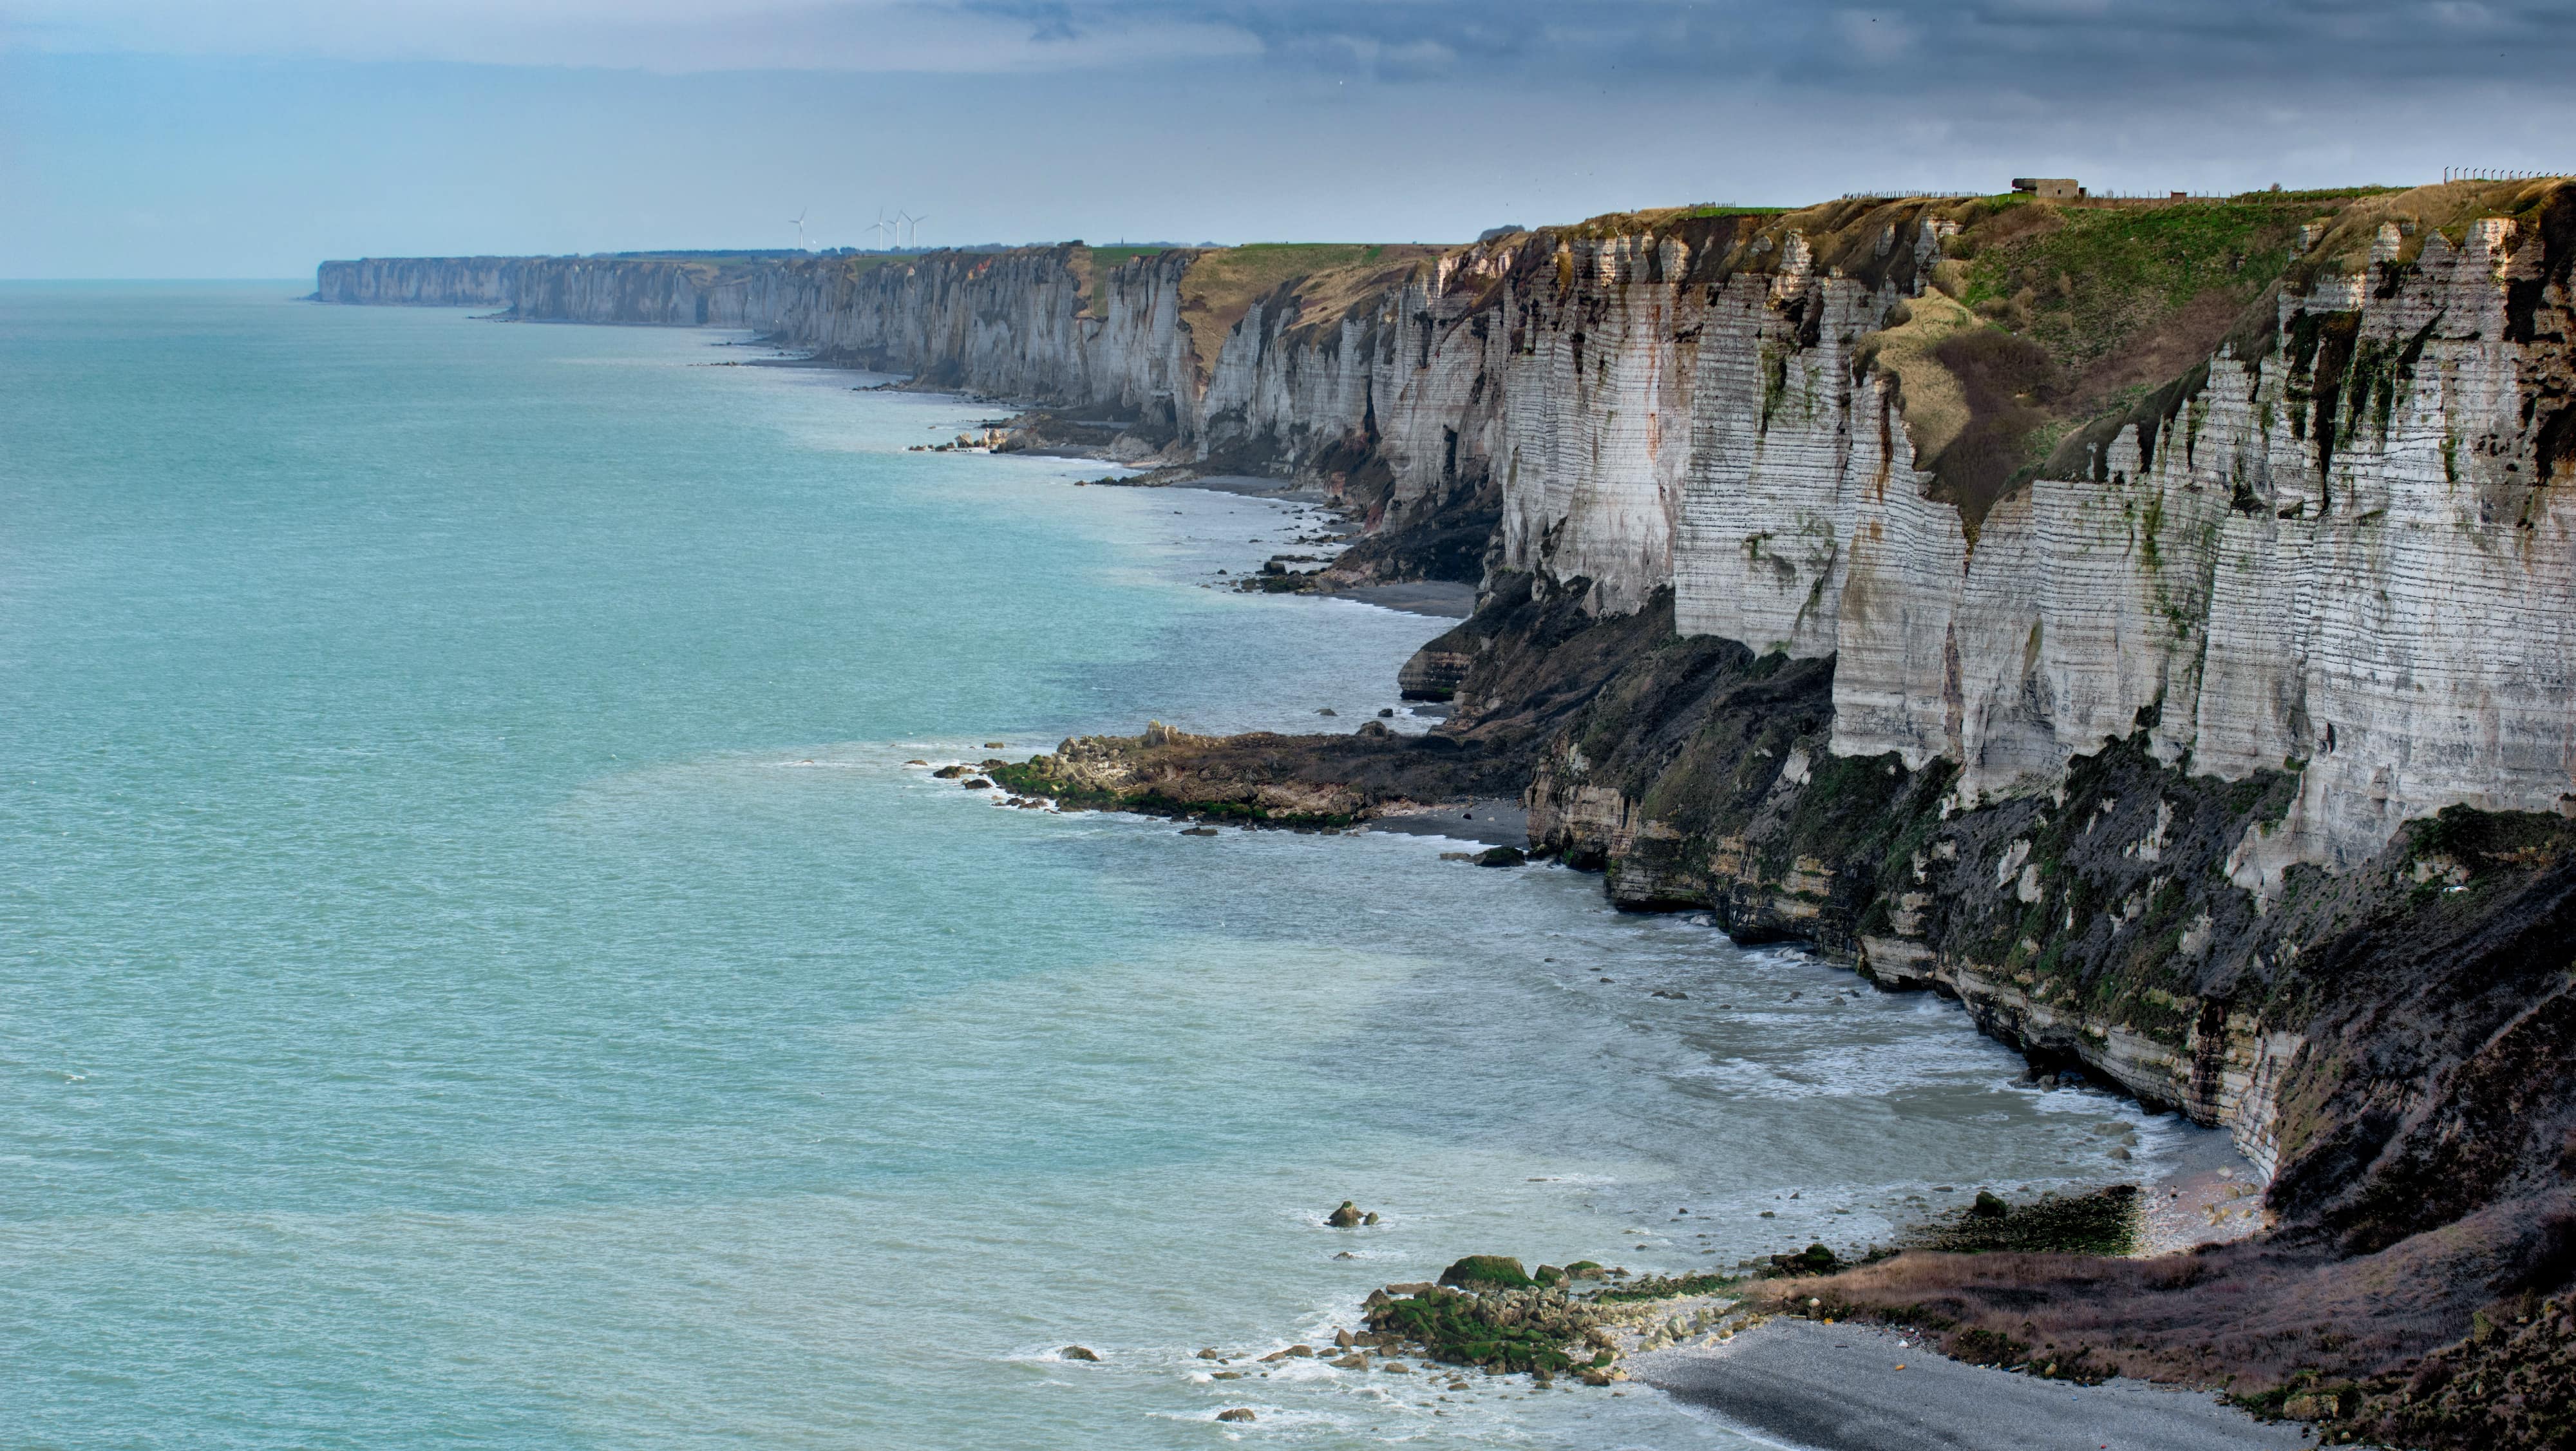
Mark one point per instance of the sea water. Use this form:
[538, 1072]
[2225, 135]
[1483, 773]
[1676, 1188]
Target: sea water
[479, 970]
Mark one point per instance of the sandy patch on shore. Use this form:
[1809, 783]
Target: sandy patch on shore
[1840, 1388]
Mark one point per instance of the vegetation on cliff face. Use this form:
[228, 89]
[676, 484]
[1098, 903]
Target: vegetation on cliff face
[1325, 279]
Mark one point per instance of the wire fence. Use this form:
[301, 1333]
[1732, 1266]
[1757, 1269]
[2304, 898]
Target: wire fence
[2481, 173]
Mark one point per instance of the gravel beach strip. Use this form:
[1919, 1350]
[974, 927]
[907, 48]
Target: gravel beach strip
[1836, 1388]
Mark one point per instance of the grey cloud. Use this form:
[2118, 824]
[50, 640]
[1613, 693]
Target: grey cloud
[2070, 46]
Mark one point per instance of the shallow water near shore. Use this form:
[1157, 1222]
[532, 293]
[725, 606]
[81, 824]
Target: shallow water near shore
[480, 971]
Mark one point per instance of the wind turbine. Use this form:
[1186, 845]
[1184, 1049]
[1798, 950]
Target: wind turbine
[902, 219]
[798, 222]
[881, 226]
[916, 231]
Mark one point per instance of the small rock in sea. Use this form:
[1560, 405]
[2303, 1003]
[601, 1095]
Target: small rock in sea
[976, 783]
[1198, 831]
[1767, 1214]
[916, 762]
[1328, 710]
[1238, 1413]
[1468, 856]
[949, 773]
[1077, 1352]
[1396, 1367]
[996, 746]
[1351, 1362]
[1226, 1375]
[1662, 993]
[1210, 1354]
[1342, 1339]
[1369, 1218]
[1346, 1255]
[1501, 856]
[1386, 712]
[1275, 1355]
[1346, 1217]
[1303, 1352]
[2120, 1154]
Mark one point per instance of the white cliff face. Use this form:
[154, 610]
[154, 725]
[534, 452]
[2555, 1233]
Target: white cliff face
[2384, 595]
[419, 281]
[2385, 598]
[2388, 597]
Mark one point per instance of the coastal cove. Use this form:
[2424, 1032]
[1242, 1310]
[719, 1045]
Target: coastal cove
[484, 971]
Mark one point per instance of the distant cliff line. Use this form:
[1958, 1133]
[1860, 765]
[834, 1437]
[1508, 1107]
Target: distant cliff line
[1860, 431]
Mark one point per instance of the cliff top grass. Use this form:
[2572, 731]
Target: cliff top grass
[1329, 278]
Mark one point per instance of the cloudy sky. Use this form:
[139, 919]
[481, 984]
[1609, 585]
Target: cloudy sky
[208, 138]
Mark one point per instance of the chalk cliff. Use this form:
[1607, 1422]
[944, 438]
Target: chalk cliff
[419, 281]
[2284, 513]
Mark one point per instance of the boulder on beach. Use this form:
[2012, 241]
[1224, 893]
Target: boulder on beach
[1493, 1270]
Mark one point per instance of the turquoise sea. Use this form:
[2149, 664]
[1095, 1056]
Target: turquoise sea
[475, 969]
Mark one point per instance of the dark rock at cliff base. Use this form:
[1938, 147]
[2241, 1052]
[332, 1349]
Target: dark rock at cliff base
[1346, 1217]
[1501, 856]
[1078, 1352]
